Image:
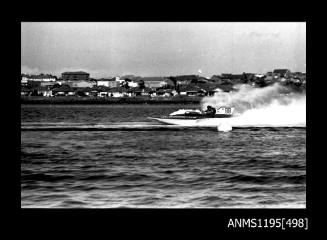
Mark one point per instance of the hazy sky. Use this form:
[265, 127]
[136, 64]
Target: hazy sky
[162, 49]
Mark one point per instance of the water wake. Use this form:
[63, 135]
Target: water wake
[123, 126]
[137, 127]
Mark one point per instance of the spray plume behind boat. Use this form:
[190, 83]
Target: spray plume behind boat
[247, 97]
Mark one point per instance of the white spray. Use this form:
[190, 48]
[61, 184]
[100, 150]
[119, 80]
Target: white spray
[272, 106]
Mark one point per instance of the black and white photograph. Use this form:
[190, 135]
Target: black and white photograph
[163, 115]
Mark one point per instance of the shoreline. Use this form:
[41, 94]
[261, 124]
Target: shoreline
[112, 100]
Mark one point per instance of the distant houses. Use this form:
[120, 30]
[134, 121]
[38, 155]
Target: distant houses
[63, 90]
[80, 84]
[203, 89]
[38, 79]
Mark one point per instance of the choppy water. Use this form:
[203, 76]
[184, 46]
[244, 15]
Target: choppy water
[164, 167]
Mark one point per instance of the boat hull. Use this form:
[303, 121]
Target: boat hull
[192, 122]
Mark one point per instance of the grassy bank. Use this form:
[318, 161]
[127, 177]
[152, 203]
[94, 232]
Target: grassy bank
[99, 100]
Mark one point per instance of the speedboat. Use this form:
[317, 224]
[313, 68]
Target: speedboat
[196, 117]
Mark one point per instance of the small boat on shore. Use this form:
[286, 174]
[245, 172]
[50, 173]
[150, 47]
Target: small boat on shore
[193, 117]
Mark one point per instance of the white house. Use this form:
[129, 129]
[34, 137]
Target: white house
[133, 84]
[47, 84]
[81, 84]
[155, 82]
[130, 83]
[108, 82]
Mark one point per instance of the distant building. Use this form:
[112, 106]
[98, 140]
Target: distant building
[117, 92]
[108, 82]
[81, 84]
[129, 82]
[147, 91]
[103, 91]
[63, 90]
[190, 90]
[169, 83]
[24, 91]
[83, 91]
[216, 79]
[248, 77]
[164, 93]
[47, 84]
[282, 73]
[44, 91]
[24, 79]
[299, 75]
[136, 91]
[33, 84]
[228, 78]
[75, 76]
[154, 82]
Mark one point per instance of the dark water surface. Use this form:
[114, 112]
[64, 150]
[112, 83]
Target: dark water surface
[244, 168]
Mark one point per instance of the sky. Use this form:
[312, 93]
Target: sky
[106, 49]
